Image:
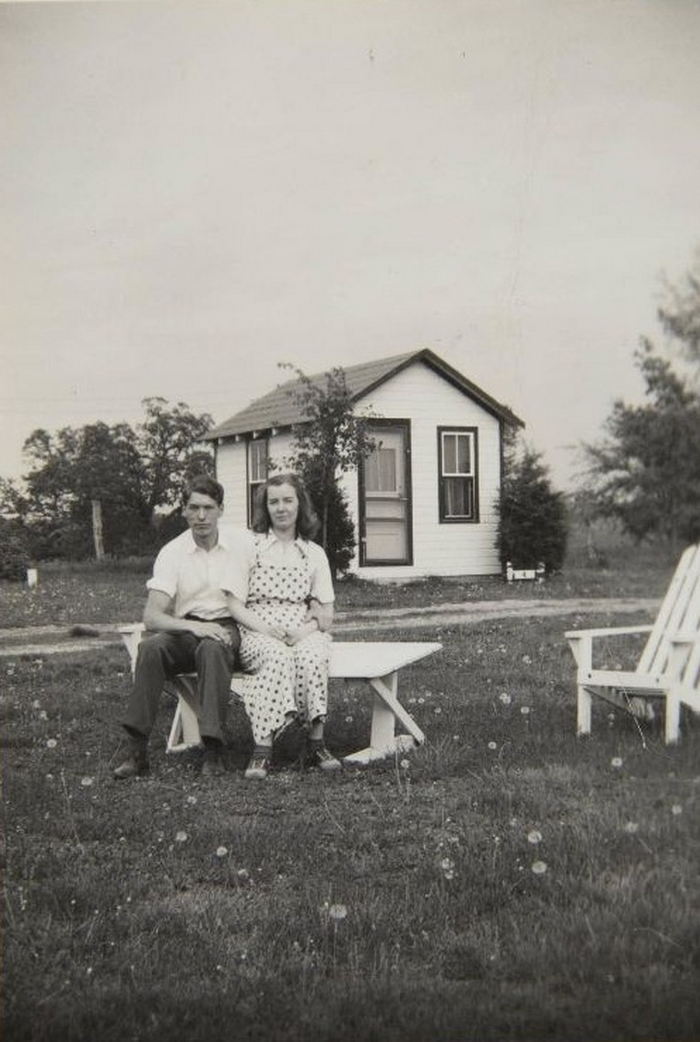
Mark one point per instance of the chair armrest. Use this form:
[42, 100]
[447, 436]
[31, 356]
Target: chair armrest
[611, 631]
[684, 637]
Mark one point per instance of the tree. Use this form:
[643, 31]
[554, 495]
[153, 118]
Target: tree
[329, 440]
[166, 443]
[646, 472]
[533, 525]
[103, 486]
[532, 515]
[680, 314]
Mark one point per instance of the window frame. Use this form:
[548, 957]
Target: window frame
[252, 484]
[472, 478]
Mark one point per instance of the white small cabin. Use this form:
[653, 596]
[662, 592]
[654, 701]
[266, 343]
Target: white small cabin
[424, 502]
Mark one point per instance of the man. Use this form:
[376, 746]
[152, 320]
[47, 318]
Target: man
[192, 630]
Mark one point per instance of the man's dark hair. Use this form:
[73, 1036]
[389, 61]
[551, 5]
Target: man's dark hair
[206, 486]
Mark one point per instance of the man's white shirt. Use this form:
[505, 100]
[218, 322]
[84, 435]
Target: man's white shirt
[194, 578]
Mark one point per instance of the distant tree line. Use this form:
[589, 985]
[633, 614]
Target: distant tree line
[105, 489]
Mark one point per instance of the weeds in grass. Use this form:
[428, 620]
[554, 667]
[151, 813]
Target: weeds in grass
[504, 880]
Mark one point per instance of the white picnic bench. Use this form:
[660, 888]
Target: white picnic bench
[669, 666]
[377, 662]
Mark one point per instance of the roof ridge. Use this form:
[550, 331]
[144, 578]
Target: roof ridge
[278, 407]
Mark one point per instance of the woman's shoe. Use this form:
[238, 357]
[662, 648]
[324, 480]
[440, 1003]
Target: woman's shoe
[258, 767]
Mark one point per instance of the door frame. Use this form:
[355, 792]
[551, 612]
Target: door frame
[376, 425]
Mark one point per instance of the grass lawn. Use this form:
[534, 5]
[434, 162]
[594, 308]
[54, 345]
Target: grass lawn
[83, 593]
[504, 882]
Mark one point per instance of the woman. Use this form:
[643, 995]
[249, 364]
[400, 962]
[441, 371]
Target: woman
[283, 642]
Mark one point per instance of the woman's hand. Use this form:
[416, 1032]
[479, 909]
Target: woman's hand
[277, 632]
[297, 633]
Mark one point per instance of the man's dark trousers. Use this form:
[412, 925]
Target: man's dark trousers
[163, 655]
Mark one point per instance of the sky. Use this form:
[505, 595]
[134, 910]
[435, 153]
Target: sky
[193, 193]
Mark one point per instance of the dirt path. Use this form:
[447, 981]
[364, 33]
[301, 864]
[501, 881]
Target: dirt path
[51, 640]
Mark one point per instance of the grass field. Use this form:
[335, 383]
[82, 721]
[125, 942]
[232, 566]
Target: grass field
[504, 882]
[83, 593]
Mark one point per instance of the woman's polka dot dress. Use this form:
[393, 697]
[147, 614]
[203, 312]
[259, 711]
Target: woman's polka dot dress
[285, 678]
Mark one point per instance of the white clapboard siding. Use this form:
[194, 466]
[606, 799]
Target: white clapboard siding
[429, 401]
[232, 472]
[420, 395]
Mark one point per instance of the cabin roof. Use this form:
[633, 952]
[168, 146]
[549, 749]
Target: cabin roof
[279, 407]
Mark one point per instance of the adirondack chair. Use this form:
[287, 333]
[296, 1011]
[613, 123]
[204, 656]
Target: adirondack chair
[669, 666]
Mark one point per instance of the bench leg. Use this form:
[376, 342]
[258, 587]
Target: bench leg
[184, 733]
[672, 717]
[386, 710]
[583, 711]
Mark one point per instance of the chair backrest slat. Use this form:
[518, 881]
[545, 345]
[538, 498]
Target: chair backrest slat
[679, 611]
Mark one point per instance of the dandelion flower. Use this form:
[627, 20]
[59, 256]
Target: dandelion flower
[242, 873]
[191, 799]
[51, 743]
[337, 912]
[86, 782]
[448, 867]
[181, 837]
[437, 710]
[421, 700]
[525, 710]
[43, 715]
[539, 867]
[505, 698]
[616, 761]
[348, 719]
[676, 809]
[404, 765]
[492, 745]
[631, 827]
[36, 704]
[527, 660]
[534, 836]
[221, 851]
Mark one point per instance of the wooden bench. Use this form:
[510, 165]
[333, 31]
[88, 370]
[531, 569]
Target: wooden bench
[669, 666]
[377, 662]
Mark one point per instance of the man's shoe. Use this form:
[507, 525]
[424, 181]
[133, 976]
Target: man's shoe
[135, 764]
[258, 767]
[212, 764]
[319, 756]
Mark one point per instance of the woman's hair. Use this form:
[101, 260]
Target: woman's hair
[307, 521]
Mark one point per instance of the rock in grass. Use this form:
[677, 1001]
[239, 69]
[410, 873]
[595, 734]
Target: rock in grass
[79, 630]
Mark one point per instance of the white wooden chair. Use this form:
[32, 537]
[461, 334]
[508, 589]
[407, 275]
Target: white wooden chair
[669, 666]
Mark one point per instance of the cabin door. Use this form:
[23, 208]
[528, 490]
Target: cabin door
[385, 498]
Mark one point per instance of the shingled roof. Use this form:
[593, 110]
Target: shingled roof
[279, 408]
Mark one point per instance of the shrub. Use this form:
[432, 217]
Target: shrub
[340, 531]
[532, 516]
[14, 556]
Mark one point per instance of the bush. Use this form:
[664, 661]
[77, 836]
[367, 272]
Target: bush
[14, 556]
[340, 533]
[533, 524]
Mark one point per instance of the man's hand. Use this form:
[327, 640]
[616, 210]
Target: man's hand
[212, 630]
